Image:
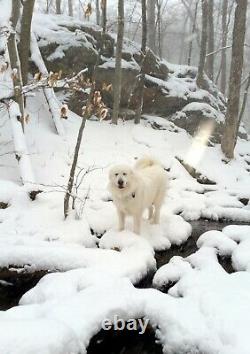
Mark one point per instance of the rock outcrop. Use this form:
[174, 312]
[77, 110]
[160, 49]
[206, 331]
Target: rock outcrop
[170, 90]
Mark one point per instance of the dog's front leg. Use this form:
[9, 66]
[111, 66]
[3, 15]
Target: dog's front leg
[137, 224]
[121, 220]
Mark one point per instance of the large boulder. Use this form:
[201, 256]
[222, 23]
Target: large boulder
[170, 90]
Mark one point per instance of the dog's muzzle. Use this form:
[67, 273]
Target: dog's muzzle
[120, 183]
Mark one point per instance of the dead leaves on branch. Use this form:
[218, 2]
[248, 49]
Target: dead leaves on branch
[4, 67]
[96, 107]
[78, 83]
[64, 111]
[88, 11]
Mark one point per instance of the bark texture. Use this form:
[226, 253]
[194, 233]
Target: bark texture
[70, 7]
[210, 44]
[118, 62]
[24, 45]
[231, 125]
[223, 79]
[151, 7]
[15, 61]
[141, 82]
[203, 49]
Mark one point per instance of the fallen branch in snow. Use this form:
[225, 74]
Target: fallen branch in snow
[53, 103]
[200, 178]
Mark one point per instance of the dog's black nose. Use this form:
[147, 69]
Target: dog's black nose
[120, 182]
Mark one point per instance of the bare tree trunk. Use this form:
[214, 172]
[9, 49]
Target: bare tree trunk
[54, 105]
[16, 109]
[73, 167]
[140, 89]
[210, 30]
[58, 7]
[151, 6]
[97, 9]
[243, 106]
[190, 14]
[159, 33]
[230, 133]
[118, 62]
[104, 15]
[223, 79]
[184, 28]
[14, 60]
[24, 45]
[86, 116]
[192, 34]
[70, 7]
[21, 151]
[203, 50]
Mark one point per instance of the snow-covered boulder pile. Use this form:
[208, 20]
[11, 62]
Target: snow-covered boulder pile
[170, 90]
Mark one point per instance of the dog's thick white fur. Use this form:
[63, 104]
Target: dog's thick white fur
[136, 189]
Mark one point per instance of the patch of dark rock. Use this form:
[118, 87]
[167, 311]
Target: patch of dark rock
[244, 201]
[189, 73]
[157, 126]
[200, 178]
[14, 283]
[33, 194]
[145, 282]
[124, 342]
[187, 248]
[226, 263]
[184, 250]
[3, 205]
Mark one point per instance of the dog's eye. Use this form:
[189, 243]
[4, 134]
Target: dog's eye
[116, 174]
[124, 174]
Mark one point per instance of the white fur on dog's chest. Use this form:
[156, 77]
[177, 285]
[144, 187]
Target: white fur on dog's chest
[127, 204]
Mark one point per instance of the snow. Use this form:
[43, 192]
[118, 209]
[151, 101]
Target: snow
[129, 65]
[94, 267]
[198, 313]
[34, 236]
[209, 111]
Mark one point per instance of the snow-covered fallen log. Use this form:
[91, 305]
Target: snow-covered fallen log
[54, 104]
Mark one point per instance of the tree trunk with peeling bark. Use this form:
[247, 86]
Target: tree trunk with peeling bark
[231, 124]
[118, 62]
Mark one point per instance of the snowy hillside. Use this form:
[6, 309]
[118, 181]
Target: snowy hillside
[187, 277]
[34, 235]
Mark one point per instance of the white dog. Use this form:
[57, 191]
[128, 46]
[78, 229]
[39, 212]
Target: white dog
[137, 189]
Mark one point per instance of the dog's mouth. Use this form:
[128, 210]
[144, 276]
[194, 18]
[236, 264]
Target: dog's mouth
[120, 186]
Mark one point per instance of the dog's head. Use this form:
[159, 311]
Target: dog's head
[121, 176]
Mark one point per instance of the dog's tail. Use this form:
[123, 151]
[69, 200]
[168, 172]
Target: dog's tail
[146, 161]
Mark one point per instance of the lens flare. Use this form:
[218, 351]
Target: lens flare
[199, 144]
